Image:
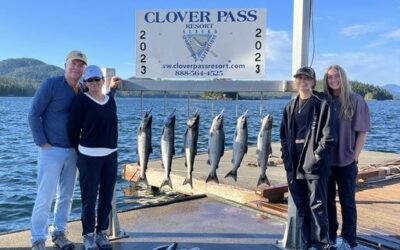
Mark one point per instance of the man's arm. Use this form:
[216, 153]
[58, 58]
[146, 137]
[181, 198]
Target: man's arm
[40, 102]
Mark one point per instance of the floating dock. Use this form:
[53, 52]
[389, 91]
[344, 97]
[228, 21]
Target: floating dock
[238, 215]
[374, 191]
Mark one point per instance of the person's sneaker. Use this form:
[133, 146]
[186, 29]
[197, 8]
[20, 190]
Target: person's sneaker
[89, 242]
[102, 241]
[332, 245]
[60, 240]
[344, 246]
[39, 245]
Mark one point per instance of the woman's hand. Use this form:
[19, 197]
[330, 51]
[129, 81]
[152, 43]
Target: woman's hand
[115, 82]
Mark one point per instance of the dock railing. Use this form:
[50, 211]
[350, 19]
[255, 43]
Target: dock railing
[218, 85]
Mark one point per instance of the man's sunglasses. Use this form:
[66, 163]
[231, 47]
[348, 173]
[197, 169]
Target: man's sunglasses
[94, 79]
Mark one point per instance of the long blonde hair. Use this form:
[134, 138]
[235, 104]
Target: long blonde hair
[346, 108]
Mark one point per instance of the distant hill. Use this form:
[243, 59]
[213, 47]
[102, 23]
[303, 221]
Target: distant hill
[394, 89]
[29, 69]
[20, 77]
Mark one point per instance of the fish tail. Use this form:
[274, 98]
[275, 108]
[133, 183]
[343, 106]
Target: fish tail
[212, 177]
[232, 174]
[263, 179]
[189, 181]
[143, 180]
[166, 182]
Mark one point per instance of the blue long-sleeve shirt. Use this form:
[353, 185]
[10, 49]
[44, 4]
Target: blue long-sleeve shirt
[48, 116]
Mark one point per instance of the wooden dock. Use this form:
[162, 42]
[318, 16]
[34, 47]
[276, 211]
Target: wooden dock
[373, 166]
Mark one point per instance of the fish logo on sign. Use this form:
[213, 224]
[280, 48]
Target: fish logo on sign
[199, 44]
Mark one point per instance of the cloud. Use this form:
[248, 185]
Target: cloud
[278, 55]
[377, 68]
[278, 44]
[393, 35]
[358, 30]
[384, 38]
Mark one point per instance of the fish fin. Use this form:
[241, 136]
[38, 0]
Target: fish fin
[270, 150]
[263, 179]
[232, 174]
[245, 149]
[184, 141]
[232, 159]
[195, 147]
[208, 162]
[212, 177]
[162, 131]
[188, 181]
[223, 146]
[162, 164]
[166, 182]
[185, 163]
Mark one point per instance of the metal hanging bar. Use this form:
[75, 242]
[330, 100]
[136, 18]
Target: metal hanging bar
[188, 110]
[165, 102]
[261, 103]
[237, 104]
[141, 102]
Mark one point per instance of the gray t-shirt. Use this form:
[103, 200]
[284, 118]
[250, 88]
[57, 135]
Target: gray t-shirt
[343, 153]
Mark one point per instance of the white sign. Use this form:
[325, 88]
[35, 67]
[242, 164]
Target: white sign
[201, 44]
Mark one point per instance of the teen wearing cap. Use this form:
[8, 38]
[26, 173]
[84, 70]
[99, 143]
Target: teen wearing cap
[56, 167]
[307, 135]
[352, 123]
[93, 130]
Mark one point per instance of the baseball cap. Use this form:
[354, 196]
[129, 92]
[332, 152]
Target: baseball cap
[307, 71]
[76, 55]
[92, 71]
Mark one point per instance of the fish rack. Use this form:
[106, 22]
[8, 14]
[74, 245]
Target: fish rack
[217, 85]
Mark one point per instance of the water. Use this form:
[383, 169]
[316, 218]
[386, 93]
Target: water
[18, 153]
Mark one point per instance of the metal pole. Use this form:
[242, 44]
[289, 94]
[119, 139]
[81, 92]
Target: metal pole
[301, 34]
[114, 231]
[237, 104]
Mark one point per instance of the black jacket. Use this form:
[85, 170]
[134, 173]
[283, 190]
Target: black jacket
[320, 138]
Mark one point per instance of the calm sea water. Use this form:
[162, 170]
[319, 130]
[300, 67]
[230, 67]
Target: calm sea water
[18, 152]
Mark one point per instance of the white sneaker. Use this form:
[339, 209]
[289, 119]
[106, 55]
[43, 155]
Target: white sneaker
[344, 246]
[60, 240]
[89, 242]
[39, 245]
[102, 241]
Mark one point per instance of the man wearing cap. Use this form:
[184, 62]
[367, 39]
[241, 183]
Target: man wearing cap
[56, 170]
[56, 167]
[307, 136]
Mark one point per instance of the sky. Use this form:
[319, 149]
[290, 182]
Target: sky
[363, 36]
